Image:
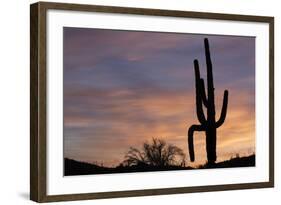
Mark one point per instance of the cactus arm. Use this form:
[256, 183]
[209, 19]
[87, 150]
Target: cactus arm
[203, 93]
[191, 131]
[223, 110]
[210, 83]
[199, 107]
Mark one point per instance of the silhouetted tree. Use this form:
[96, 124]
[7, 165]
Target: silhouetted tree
[156, 153]
[209, 124]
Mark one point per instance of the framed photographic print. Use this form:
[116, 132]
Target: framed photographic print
[134, 102]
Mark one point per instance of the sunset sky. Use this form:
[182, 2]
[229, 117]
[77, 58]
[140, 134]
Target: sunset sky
[122, 88]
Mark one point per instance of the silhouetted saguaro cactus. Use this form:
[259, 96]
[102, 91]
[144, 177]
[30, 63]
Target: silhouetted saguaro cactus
[209, 124]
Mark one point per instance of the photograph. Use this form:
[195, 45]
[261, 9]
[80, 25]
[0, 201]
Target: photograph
[146, 101]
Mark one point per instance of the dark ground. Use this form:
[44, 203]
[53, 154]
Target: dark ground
[249, 161]
[72, 167]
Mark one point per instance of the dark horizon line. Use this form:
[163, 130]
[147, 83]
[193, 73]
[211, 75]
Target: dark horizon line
[80, 168]
[237, 155]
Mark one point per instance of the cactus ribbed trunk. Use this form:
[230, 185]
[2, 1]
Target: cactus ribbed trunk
[209, 123]
[211, 143]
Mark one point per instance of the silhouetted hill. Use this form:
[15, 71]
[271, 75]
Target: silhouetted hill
[73, 167]
[248, 161]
